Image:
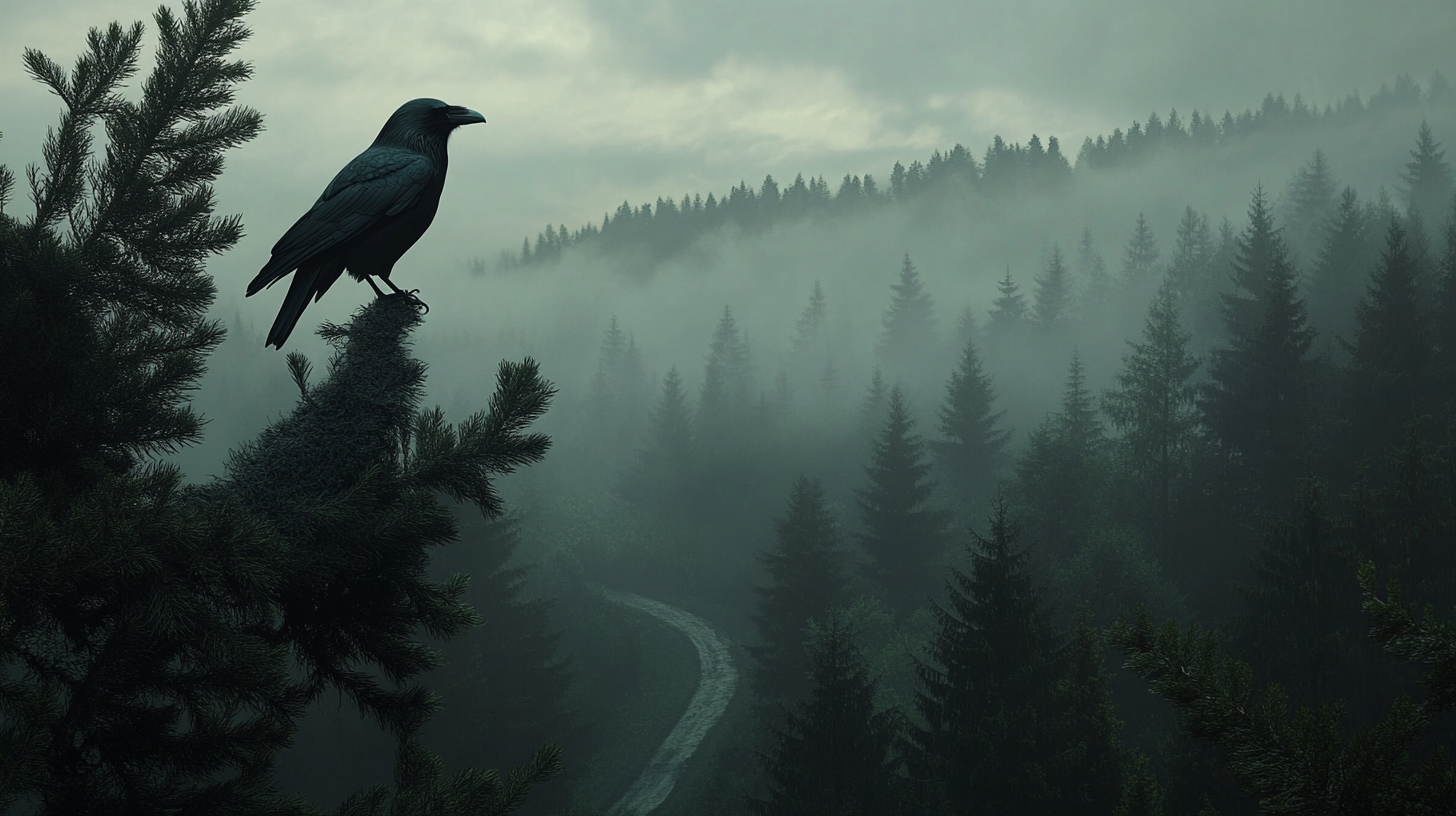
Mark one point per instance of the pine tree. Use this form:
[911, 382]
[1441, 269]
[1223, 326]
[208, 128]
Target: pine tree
[811, 321]
[1057, 478]
[1340, 270]
[1194, 277]
[1389, 358]
[1087, 771]
[903, 534]
[1257, 404]
[1140, 256]
[1310, 206]
[872, 409]
[660, 477]
[726, 399]
[1053, 293]
[1008, 312]
[909, 330]
[990, 675]
[835, 756]
[1153, 406]
[806, 578]
[1140, 794]
[1427, 178]
[973, 448]
[1444, 328]
[1093, 269]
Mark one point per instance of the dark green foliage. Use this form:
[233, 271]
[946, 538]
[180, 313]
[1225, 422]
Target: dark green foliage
[1057, 479]
[1153, 406]
[909, 328]
[1193, 274]
[1092, 268]
[1140, 794]
[1389, 358]
[1008, 312]
[1310, 206]
[504, 683]
[1257, 402]
[806, 578]
[904, 536]
[1427, 178]
[1087, 769]
[1444, 318]
[972, 450]
[726, 400]
[658, 478]
[835, 754]
[1053, 292]
[618, 387]
[990, 676]
[1341, 269]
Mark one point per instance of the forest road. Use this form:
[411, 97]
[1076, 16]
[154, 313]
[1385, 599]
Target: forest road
[715, 689]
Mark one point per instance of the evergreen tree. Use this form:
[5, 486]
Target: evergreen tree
[661, 476]
[990, 676]
[1008, 312]
[872, 409]
[1444, 328]
[836, 754]
[973, 448]
[806, 578]
[1340, 270]
[1427, 178]
[1053, 292]
[903, 535]
[1153, 406]
[1093, 269]
[1257, 403]
[727, 394]
[1140, 256]
[1057, 478]
[1087, 771]
[1310, 205]
[811, 321]
[1194, 277]
[1389, 358]
[909, 330]
[1140, 794]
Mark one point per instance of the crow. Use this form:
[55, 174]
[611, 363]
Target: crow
[371, 213]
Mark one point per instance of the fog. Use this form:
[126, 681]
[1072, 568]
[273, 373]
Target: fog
[679, 619]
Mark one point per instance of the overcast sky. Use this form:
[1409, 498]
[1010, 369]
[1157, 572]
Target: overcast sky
[593, 101]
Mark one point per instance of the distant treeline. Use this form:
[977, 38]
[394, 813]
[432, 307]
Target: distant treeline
[654, 232]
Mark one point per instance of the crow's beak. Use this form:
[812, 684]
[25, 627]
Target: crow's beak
[465, 116]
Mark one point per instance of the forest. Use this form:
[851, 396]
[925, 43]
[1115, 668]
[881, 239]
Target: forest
[1116, 483]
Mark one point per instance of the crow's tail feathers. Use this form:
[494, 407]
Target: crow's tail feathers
[309, 282]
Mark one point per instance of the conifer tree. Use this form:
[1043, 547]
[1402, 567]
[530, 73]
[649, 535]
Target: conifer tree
[1140, 256]
[727, 388]
[990, 676]
[1057, 478]
[1340, 270]
[1427, 177]
[903, 535]
[811, 321]
[972, 448]
[806, 578]
[1154, 408]
[1389, 358]
[1140, 795]
[1193, 276]
[1087, 772]
[835, 755]
[1008, 312]
[1257, 403]
[1053, 292]
[660, 476]
[1444, 320]
[1311, 203]
[872, 408]
[1092, 269]
[909, 330]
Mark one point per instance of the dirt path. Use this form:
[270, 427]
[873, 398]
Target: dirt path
[715, 689]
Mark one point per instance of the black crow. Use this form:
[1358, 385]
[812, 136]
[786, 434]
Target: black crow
[371, 213]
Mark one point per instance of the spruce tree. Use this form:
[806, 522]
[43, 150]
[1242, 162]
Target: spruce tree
[1340, 270]
[1092, 268]
[903, 534]
[1008, 312]
[1389, 358]
[1057, 479]
[835, 755]
[1444, 317]
[810, 325]
[1194, 277]
[806, 578]
[726, 399]
[872, 408]
[660, 477]
[1140, 794]
[990, 678]
[1053, 293]
[1257, 404]
[1153, 406]
[1427, 177]
[972, 448]
[909, 329]
[1310, 204]
[1140, 256]
[1087, 771]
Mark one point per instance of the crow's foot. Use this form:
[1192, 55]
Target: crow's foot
[414, 298]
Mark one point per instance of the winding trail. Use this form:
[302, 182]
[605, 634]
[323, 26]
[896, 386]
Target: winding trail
[715, 689]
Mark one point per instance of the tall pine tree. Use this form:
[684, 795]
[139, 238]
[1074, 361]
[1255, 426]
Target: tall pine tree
[1053, 293]
[972, 448]
[909, 329]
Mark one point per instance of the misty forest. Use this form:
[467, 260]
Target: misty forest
[1106, 476]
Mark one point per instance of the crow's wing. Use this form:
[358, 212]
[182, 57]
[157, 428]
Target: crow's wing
[379, 183]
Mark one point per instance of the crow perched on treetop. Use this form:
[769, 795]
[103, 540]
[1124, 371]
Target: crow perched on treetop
[371, 213]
